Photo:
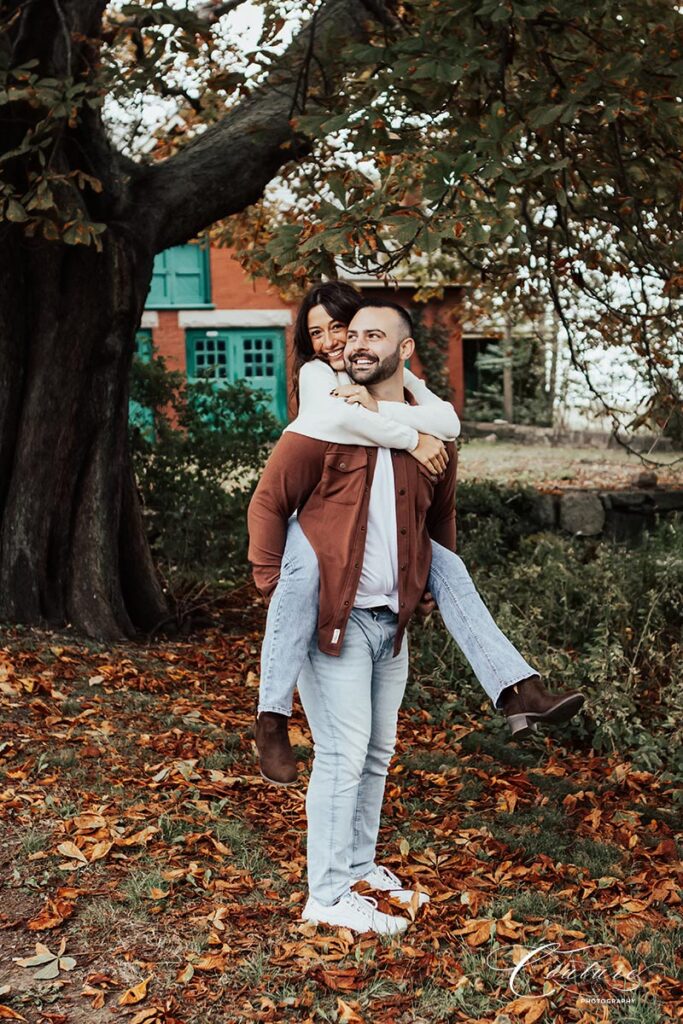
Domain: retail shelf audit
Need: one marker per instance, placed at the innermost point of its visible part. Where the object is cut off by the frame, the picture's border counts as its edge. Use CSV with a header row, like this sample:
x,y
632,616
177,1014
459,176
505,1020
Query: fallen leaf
x,y
6,1013
54,913
347,1014
135,994
69,849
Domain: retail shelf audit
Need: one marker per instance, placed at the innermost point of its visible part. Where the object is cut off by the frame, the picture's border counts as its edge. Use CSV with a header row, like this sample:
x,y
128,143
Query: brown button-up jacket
x,y
328,485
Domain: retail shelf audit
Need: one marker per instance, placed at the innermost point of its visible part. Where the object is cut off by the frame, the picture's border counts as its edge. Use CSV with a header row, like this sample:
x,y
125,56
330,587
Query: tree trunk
x,y
72,543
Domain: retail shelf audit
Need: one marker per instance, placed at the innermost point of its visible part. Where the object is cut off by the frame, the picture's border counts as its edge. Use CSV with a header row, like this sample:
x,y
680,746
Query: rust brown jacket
x,y
328,485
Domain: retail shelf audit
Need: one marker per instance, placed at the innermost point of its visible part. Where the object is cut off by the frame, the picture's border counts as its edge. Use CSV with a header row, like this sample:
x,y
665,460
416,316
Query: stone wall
x,y
619,515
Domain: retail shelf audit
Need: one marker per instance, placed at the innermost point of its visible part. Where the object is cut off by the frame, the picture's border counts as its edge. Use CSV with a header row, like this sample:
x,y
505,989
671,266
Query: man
x,y
369,514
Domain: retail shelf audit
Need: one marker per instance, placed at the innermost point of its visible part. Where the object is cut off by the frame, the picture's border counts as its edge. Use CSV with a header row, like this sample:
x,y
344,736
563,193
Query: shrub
x,y
592,615
198,453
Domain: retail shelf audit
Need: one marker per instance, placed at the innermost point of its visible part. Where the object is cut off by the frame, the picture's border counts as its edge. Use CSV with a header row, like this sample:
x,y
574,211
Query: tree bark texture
x,y
72,547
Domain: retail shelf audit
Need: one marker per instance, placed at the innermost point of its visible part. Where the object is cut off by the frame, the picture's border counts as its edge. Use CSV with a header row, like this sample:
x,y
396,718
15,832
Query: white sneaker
x,y
356,912
384,880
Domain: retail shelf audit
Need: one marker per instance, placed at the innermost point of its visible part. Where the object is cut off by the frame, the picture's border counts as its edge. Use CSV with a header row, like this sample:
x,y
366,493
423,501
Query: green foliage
x,y
532,402
492,520
197,467
588,614
431,343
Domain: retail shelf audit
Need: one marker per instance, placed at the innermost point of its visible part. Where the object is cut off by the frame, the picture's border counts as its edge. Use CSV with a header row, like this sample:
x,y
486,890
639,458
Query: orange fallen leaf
x,y
476,932
8,1014
347,1014
135,994
530,1008
54,913
100,850
150,1015
69,849
158,894
213,962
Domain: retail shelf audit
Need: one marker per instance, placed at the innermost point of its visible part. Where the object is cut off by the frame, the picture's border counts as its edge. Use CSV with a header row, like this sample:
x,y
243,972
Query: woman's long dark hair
x,y
341,300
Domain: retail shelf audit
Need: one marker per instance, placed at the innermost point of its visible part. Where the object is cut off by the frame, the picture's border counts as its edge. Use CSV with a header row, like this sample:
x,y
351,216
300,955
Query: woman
x,y
333,408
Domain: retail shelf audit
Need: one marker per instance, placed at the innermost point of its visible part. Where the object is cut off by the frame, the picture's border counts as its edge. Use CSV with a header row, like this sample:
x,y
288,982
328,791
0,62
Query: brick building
x,y
204,314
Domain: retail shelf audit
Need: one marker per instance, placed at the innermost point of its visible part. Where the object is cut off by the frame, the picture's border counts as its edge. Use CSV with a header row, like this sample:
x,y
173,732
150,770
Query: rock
x,y
490,439
582,513
669,501
646,479
628,499
545,513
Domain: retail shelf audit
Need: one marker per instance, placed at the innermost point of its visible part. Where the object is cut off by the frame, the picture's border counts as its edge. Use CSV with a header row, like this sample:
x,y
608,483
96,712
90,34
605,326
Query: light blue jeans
x,y
293,618
351,703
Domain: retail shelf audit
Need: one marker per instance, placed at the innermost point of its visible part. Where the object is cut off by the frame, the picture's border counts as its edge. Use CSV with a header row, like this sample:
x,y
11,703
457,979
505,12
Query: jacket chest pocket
x,y
343,478
424,488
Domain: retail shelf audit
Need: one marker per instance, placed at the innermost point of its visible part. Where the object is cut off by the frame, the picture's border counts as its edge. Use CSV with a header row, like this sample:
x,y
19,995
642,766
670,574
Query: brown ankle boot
x,y
276,757
527,703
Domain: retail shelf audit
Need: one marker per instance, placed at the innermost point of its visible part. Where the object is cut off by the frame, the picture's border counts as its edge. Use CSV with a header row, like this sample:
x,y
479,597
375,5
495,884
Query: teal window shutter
x,y
255,355
181,278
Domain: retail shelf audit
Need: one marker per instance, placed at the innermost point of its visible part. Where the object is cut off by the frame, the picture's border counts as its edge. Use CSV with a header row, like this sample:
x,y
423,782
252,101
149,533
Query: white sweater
x,y
395,425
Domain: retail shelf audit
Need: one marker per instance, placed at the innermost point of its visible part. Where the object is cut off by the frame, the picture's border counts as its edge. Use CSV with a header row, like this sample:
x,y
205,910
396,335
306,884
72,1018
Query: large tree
x,y
81,224
528,144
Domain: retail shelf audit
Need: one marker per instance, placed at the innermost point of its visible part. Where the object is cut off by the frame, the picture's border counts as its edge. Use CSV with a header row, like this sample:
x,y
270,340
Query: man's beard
x,y
382,370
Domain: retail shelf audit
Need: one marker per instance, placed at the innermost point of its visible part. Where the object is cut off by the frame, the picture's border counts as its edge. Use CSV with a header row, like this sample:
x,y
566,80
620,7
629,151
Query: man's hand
x,y
356,394
426,605
431,453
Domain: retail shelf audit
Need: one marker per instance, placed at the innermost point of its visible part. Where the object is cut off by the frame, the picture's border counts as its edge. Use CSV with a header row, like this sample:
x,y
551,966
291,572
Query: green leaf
x,y
546,115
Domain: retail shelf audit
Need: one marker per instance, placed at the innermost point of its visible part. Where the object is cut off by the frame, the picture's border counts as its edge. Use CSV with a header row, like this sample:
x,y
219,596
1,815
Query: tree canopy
x,y
527,148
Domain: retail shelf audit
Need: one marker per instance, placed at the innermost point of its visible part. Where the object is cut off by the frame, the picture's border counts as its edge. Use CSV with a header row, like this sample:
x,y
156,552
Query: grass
x,y
34,840
246,849
136,888
543,830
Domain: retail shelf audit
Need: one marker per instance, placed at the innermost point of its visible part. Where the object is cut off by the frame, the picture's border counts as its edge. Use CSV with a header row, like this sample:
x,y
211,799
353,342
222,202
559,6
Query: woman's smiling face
x,y
328,336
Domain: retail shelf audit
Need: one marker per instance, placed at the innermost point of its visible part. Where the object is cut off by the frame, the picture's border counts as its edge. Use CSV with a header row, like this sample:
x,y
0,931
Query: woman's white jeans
x,y
351,703
293,616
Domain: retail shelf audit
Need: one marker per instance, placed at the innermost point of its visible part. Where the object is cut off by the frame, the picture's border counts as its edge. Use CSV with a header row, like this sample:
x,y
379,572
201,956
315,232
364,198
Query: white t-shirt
x,y
378,582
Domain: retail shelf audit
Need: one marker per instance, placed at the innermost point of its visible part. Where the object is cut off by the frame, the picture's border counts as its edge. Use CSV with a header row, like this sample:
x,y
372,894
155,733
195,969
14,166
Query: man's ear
x,y
406,348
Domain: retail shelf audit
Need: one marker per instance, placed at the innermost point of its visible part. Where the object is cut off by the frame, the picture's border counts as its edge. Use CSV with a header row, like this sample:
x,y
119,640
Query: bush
x,y
198,451
587,614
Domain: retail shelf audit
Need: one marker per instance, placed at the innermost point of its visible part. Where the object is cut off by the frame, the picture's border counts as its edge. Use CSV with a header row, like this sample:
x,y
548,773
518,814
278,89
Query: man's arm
x,y
441,513
292,472
430,416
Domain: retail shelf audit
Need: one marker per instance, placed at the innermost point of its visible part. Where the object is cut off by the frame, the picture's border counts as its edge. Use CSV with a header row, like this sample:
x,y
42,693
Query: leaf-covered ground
x,y
565,467
163,880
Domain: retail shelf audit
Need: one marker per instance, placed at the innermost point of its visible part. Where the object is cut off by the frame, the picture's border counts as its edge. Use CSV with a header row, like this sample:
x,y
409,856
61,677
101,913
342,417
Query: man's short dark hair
x,y
403,314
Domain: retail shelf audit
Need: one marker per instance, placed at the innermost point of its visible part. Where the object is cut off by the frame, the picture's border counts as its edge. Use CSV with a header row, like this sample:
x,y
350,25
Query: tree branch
x,y
227,167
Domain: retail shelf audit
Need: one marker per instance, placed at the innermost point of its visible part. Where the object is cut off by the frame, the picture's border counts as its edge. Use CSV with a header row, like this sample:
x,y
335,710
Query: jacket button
x,y
362,529
355,565
403,604
403,530
342,465
402,491
403,568
346,603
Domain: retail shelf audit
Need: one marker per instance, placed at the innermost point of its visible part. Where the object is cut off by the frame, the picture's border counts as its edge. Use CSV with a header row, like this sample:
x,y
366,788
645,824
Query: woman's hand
x,y
356,394
431,453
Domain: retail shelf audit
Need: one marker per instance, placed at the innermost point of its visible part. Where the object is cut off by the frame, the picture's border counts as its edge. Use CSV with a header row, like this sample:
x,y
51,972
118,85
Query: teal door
x,y
255,355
